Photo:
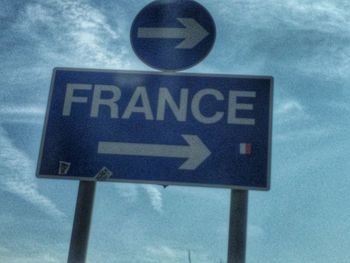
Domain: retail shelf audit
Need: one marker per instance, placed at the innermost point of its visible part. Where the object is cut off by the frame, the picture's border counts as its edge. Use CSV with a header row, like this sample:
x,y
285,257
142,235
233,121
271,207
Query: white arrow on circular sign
x,y
192,33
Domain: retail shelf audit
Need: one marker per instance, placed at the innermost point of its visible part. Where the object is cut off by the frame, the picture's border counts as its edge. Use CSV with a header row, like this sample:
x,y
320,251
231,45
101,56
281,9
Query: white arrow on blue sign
x,y
173,35
163,128
195,153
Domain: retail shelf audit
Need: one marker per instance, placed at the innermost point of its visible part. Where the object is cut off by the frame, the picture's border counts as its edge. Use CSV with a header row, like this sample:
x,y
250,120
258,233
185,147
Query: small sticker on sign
x,y
103,174
63,168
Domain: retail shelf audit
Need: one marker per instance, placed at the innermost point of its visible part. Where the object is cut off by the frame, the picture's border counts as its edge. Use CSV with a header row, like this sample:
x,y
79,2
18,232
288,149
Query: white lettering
x,y
97,101
70,98
234,106
165,97
110,96
196,106
140,93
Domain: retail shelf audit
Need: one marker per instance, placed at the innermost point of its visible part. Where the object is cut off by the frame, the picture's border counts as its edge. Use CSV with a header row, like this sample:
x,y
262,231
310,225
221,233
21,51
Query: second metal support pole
x,y
83,215
238,226
82,222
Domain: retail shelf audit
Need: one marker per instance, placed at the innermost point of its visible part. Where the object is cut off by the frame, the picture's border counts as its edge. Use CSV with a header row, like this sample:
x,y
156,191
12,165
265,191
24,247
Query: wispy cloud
x,y
45,257
21,110
288,111
307,134
308,37
289,107
155,252
293,123
12,113
18,176
75,33
324,16
45,34
255,231
155,196
164,253
130,192
315,15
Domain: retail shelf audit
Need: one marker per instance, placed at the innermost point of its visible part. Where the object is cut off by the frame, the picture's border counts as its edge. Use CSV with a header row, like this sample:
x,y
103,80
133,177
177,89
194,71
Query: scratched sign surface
x,y
162,128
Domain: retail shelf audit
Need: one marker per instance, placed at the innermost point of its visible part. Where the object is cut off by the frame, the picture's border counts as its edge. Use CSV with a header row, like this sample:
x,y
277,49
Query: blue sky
x,y
304,45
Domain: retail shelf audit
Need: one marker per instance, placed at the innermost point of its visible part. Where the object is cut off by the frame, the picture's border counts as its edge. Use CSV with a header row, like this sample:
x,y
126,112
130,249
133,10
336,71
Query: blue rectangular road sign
x,y
161,128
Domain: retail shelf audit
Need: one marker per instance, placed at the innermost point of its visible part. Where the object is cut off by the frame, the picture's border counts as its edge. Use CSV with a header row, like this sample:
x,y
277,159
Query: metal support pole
x,y
82,220
238,226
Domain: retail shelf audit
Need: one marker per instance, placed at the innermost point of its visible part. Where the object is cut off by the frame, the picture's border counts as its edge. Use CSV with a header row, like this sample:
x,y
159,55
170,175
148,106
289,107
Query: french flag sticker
x,y
245,148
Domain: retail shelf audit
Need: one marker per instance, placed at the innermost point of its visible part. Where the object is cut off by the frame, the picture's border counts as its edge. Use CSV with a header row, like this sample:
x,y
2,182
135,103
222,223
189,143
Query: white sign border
x,y
267,188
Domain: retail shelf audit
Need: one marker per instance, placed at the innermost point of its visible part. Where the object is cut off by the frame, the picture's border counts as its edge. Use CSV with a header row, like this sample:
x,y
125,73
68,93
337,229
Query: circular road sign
x,y
172,35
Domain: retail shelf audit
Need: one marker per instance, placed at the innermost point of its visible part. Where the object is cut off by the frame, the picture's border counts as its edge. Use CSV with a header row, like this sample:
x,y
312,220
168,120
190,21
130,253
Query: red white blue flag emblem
x,y
245,148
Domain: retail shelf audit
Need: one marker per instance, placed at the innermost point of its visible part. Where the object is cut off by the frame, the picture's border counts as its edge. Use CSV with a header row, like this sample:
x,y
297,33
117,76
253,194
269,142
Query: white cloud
x,y
289,107
11,113
324,16
289,111
72,34
130,193
303,134
310,37
18,177
45,257
86,33
154,253
21,110
38,13
164,253
155,196
293,123
255,231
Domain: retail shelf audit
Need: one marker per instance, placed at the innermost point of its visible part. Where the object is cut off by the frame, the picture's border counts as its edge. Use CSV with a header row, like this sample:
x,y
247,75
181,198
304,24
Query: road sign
x,y
162,128
172,35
